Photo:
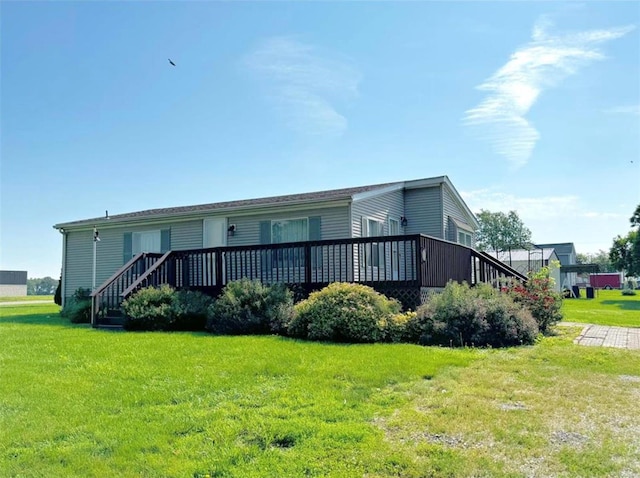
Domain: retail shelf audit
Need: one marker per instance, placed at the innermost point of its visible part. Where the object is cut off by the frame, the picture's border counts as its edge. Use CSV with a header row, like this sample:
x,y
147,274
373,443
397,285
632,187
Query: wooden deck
x,y
404,267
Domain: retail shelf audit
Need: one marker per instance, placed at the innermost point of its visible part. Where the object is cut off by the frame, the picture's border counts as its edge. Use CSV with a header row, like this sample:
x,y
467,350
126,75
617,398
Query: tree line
x,y
500,232
44,286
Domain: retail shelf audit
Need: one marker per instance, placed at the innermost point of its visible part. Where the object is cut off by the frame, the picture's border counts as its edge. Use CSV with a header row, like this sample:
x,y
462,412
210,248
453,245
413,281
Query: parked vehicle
x,y
606,280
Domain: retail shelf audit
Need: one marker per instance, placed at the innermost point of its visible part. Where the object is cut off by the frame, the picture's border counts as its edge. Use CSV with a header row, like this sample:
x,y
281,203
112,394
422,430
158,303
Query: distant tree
x,y
601,258
625,252
635,219
502,232
44,286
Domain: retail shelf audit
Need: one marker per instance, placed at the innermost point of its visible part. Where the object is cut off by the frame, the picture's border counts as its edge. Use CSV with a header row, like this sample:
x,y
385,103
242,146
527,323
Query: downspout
x,y
63,275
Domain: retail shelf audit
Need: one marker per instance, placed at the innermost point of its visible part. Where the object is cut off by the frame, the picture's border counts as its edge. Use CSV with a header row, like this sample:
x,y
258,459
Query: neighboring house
x,y
310,238
532,260
566,253
13,283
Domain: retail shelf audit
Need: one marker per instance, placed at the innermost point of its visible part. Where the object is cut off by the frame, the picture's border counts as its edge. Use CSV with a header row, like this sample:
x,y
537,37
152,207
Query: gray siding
x,y
423,209
184,235
453,209
79,261
380,207
334,224
79,256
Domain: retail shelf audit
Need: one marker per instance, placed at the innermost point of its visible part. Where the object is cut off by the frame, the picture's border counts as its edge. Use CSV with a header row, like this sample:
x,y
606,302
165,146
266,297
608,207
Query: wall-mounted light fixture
x,y
403,221
231,230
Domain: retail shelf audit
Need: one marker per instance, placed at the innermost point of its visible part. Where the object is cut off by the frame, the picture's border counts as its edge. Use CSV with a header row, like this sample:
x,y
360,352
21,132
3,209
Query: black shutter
x,y
314,228
165,240
265,232
127,250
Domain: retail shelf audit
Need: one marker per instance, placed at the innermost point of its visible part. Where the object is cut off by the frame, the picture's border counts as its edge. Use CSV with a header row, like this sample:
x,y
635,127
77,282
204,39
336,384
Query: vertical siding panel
x,y
423,209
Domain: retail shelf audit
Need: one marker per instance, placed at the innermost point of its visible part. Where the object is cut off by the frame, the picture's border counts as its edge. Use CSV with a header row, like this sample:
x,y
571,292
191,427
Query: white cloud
x,y
558,218
624,110
305,84
512,90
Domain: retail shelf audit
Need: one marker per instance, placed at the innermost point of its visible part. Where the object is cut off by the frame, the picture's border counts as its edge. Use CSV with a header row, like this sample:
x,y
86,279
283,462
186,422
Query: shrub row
x,y
458,316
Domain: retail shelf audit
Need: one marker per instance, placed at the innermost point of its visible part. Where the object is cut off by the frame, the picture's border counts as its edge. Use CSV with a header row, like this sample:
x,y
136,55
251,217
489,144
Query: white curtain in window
x,y
148,241
289,230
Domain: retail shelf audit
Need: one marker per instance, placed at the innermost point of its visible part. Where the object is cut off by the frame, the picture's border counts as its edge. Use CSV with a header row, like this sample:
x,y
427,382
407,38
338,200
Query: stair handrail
x,y
501,265
125,293
97,293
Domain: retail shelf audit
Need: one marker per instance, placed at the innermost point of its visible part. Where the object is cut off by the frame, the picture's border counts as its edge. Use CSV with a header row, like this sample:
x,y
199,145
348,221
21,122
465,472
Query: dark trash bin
x,y
576,291
590,294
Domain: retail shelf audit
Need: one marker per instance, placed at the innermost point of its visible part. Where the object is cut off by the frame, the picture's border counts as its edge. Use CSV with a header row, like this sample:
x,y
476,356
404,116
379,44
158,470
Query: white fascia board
x,y
377,192
105,223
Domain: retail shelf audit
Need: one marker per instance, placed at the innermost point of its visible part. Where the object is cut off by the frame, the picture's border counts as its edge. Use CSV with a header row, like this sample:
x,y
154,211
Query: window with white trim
x,y
146,241
465,238
374,252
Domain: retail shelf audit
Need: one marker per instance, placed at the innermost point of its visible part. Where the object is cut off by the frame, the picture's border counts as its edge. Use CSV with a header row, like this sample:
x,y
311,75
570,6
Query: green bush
x,y
471,316
344,313
164,308
150,308
249,307
191,310
538,296
628,292
78,307
394,328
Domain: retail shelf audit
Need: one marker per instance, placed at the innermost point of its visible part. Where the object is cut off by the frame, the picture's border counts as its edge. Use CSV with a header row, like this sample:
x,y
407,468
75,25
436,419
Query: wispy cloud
x,y
305,84
527,207
624,110
512,90
556,218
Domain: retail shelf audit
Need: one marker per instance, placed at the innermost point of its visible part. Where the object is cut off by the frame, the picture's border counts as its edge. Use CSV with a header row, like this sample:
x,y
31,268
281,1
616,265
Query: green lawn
x,y
75,401
24,298
609,307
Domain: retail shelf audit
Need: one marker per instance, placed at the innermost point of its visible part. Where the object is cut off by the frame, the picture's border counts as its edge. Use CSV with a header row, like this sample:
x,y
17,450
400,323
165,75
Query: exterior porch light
x,y
403,221
231,230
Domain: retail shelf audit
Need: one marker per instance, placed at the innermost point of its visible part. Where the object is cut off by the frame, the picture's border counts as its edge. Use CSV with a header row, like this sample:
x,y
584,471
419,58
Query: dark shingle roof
x,y
331,195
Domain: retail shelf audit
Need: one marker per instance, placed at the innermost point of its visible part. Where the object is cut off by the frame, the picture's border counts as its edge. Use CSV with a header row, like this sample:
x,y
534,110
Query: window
x,y
465,238
374,252
289,230
147,241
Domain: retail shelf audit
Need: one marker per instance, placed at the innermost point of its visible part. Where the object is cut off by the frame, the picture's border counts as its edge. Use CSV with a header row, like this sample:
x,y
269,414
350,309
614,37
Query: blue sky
x,y
527,106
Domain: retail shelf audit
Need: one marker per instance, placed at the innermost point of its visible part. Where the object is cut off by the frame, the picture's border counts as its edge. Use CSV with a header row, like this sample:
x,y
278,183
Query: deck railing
x,y
107,298
408,263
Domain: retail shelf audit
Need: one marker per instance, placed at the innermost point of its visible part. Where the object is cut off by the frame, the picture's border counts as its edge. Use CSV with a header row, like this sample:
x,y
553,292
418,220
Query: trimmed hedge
x,y
343,312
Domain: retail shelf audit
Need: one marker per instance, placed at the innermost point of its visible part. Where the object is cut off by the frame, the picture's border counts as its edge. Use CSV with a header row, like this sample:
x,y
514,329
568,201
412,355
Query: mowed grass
x,y
75,401
27,298
609,307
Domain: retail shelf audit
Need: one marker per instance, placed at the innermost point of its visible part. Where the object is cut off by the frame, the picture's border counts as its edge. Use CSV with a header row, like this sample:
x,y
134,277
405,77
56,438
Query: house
x,y
532,260
13,283
567,256
401,237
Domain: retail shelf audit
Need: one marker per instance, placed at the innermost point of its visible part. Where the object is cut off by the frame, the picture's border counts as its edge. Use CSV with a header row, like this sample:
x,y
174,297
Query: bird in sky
x,y
172,63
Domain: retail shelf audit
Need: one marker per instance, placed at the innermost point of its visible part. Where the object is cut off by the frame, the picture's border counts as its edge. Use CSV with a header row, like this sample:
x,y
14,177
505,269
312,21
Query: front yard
x,y
75,401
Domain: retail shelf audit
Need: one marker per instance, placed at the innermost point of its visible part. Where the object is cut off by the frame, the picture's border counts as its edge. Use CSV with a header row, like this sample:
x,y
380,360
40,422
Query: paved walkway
x,y
607,336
